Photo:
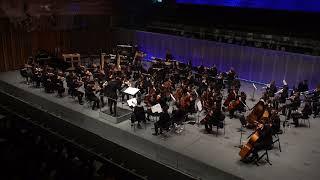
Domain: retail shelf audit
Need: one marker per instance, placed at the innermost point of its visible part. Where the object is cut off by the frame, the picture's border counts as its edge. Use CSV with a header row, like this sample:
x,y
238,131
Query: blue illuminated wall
x,y
288,5
254,64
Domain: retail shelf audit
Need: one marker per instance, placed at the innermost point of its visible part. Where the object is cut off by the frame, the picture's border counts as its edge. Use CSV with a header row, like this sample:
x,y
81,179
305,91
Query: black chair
x,y
277,139
265,153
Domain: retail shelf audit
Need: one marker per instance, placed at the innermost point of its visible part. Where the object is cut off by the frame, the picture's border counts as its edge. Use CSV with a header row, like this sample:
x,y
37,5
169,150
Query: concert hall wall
x,y
17,46
254,64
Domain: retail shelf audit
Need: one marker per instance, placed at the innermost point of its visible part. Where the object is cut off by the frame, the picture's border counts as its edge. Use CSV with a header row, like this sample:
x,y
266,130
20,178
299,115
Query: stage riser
x,y
91,141
126,139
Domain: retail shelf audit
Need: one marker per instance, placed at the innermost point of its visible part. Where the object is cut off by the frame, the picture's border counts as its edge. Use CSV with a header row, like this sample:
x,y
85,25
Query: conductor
x,y
111,92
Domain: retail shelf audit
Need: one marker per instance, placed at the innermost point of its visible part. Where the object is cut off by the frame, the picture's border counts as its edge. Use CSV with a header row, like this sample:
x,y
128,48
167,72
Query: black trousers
x,y
112,105
160,125
102,100
80,96
96,102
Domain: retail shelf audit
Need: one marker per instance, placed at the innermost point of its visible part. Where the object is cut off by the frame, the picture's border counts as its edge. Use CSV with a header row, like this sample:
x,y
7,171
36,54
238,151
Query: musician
x,y
214,117
306,111
303,86
111,91
275,119
213,71
238,105
69,80
294,105
169,56
59,85
163,122
38,76
316,102
48,83
231,76
91,95
138,114
272,89
232,98
265,140
78,89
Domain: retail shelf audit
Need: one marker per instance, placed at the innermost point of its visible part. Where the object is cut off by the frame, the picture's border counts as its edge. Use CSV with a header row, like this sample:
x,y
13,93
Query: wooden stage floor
x,y
194,152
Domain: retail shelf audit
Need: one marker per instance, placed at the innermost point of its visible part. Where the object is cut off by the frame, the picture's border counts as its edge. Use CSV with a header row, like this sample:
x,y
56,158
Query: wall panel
x,y
253,64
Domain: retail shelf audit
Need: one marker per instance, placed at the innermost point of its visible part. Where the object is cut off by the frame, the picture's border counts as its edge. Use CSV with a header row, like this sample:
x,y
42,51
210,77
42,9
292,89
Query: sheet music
x,y
284,82
156,108
254,86
132,102
131,91
173,98
199,106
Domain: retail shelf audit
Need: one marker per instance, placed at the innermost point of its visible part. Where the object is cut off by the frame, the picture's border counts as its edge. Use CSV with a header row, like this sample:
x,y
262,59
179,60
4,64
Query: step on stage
x,y
204,156
122,115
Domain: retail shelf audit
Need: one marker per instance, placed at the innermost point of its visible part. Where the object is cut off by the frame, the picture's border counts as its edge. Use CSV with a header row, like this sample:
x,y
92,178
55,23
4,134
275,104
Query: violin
x,y
231,96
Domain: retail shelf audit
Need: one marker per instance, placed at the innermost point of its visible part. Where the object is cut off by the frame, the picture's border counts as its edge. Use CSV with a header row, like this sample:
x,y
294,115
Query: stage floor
x,y
194,152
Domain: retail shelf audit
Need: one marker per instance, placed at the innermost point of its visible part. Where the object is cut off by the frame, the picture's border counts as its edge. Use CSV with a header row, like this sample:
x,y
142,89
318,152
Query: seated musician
x,y
305,113
265,141
59,86
163,122
91,95
232,102
77,89
214,117
272,89
178,115
294,105
125,84
316,102
231,76
138,114
169,56
275,119
303,86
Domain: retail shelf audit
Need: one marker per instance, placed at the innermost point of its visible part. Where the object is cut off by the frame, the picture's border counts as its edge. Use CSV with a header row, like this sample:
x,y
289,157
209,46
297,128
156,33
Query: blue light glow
x,y
288,5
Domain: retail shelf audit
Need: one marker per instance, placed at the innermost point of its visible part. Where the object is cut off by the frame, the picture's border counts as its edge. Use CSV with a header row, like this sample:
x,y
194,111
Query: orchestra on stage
x,y
172,91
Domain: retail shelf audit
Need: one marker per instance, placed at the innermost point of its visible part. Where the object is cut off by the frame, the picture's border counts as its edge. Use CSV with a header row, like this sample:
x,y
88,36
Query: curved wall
x,y
253,64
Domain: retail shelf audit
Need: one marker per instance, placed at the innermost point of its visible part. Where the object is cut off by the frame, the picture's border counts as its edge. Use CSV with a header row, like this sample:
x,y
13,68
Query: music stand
x,y
131,91
156,109
132,102
199,109
241,130
254,91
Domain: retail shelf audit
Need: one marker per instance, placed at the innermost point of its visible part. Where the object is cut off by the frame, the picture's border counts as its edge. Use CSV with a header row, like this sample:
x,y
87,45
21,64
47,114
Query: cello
x,y
255,115
247,149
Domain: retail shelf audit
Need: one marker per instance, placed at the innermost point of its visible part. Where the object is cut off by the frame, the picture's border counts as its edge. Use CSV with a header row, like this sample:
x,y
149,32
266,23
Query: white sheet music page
x,y
156,108
199,106
132,91
132,102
